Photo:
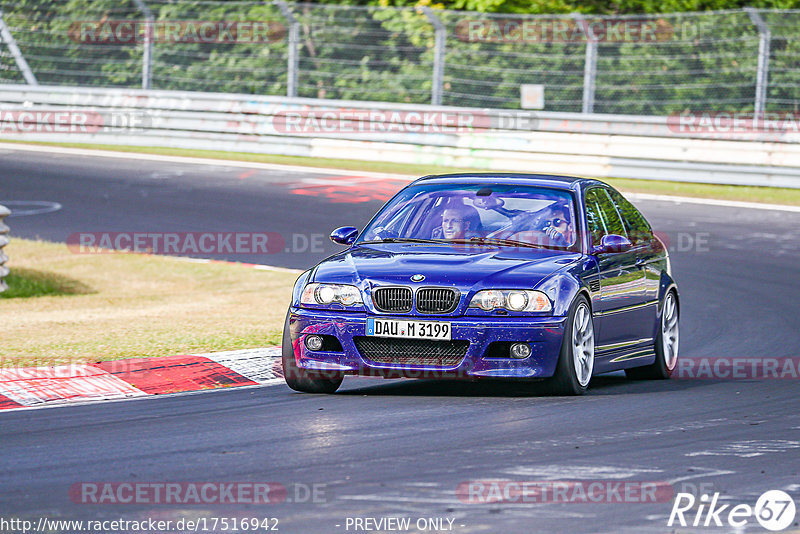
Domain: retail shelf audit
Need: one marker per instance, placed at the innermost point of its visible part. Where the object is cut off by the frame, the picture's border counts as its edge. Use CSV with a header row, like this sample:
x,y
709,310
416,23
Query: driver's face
x,y
453,225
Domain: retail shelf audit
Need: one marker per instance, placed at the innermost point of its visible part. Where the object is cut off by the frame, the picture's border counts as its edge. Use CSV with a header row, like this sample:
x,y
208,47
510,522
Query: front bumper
x,y
543,334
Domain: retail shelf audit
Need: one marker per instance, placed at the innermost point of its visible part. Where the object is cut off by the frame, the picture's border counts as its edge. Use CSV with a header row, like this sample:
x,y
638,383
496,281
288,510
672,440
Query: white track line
x,y
322,170
257,266
714,202
199,161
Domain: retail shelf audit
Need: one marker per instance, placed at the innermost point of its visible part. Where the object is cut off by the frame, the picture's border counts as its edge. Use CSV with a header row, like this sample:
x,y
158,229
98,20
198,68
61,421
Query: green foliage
x,y
704,61
597,7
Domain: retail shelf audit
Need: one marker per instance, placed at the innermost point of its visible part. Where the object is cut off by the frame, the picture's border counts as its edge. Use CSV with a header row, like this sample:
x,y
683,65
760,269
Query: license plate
x,y
408,329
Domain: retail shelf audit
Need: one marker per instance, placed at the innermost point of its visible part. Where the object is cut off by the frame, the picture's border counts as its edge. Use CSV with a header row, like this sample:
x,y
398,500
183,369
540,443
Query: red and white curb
x,y
138,377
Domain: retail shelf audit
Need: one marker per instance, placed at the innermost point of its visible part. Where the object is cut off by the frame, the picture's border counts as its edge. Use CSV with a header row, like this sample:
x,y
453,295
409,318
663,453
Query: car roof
x,y
546,180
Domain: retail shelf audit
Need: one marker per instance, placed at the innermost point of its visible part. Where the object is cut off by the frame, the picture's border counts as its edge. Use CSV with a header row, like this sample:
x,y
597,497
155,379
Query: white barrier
x,y
4,212
597,145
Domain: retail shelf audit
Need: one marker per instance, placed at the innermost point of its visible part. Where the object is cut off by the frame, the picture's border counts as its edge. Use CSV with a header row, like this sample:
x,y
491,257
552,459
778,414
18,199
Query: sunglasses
x,y
554,222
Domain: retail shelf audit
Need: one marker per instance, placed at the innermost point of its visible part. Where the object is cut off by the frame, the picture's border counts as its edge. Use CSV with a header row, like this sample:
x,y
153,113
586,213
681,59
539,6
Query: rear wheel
x,y
303,380
666,345
576,361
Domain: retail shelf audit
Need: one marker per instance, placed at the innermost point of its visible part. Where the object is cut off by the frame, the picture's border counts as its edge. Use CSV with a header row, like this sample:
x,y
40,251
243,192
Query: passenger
x,y
557,226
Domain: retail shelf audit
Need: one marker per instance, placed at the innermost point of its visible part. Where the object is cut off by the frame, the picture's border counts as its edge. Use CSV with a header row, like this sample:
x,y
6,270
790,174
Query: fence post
x,y
294,41
440,42
762,73
22,65
147,56
589,65
4,212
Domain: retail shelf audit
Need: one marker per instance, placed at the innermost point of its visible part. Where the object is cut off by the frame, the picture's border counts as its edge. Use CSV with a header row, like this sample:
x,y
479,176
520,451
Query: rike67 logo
x,y
774,510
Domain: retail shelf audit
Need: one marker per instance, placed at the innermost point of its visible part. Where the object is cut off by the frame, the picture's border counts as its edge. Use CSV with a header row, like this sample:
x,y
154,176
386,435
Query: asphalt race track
x,y
383,448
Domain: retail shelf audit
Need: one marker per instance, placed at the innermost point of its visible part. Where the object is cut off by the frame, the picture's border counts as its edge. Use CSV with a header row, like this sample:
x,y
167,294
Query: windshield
x,y
510,215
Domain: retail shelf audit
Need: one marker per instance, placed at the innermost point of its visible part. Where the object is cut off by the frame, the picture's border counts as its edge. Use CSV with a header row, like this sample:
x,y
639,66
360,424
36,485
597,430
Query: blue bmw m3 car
x,y
521,277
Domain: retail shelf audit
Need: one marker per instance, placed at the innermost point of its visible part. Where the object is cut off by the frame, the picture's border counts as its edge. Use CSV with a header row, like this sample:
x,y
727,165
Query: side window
x,y
594,217
602,216
639,230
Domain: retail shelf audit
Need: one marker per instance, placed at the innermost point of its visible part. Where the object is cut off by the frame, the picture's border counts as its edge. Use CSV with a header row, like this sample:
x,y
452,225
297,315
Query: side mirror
x,y
345,235
612,243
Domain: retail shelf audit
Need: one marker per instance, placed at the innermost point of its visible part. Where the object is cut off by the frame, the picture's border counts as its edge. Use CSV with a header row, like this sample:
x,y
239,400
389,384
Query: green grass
x,y
29,283
770,195
63,307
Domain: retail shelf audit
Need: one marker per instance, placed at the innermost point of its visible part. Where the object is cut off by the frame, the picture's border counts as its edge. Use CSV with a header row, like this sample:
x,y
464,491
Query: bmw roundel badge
x,y
418,278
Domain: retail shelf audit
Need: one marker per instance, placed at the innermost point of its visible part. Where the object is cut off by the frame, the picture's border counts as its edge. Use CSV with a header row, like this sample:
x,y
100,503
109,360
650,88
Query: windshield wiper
x,y
406,240
496,241
472,240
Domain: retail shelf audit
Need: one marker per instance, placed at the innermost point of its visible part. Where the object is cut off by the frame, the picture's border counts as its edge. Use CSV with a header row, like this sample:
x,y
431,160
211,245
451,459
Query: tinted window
x,y
638,228
602,216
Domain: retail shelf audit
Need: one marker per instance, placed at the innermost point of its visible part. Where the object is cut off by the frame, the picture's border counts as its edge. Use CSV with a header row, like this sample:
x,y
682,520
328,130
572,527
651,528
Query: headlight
x,y
330,293
516,300
488,299
511,299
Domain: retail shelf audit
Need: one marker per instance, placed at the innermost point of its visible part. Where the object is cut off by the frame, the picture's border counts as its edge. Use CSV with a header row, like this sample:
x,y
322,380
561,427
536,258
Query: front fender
x,y
299,285
564,286
562,289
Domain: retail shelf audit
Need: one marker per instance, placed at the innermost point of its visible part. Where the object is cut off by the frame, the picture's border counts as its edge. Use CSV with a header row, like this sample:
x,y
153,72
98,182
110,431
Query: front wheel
x,y
666,346
303,380
576,361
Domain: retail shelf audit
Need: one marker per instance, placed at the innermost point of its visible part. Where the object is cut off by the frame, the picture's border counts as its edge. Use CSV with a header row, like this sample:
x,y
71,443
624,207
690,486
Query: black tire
x,y
565,380
659,369
300,379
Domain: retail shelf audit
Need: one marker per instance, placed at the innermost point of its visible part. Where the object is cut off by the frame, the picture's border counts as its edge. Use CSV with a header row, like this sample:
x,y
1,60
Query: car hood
x,y
464,267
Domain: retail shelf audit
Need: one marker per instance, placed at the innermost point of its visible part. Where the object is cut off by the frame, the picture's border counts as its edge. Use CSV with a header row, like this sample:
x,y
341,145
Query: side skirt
x,y
616,359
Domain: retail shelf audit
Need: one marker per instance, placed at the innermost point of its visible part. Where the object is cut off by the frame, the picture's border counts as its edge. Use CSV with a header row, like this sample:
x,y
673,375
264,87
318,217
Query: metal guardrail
x,y
260,109
4,212
572,143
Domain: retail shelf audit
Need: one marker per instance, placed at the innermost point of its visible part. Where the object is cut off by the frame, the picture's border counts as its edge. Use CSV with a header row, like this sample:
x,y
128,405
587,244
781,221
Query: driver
x,y
456,223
